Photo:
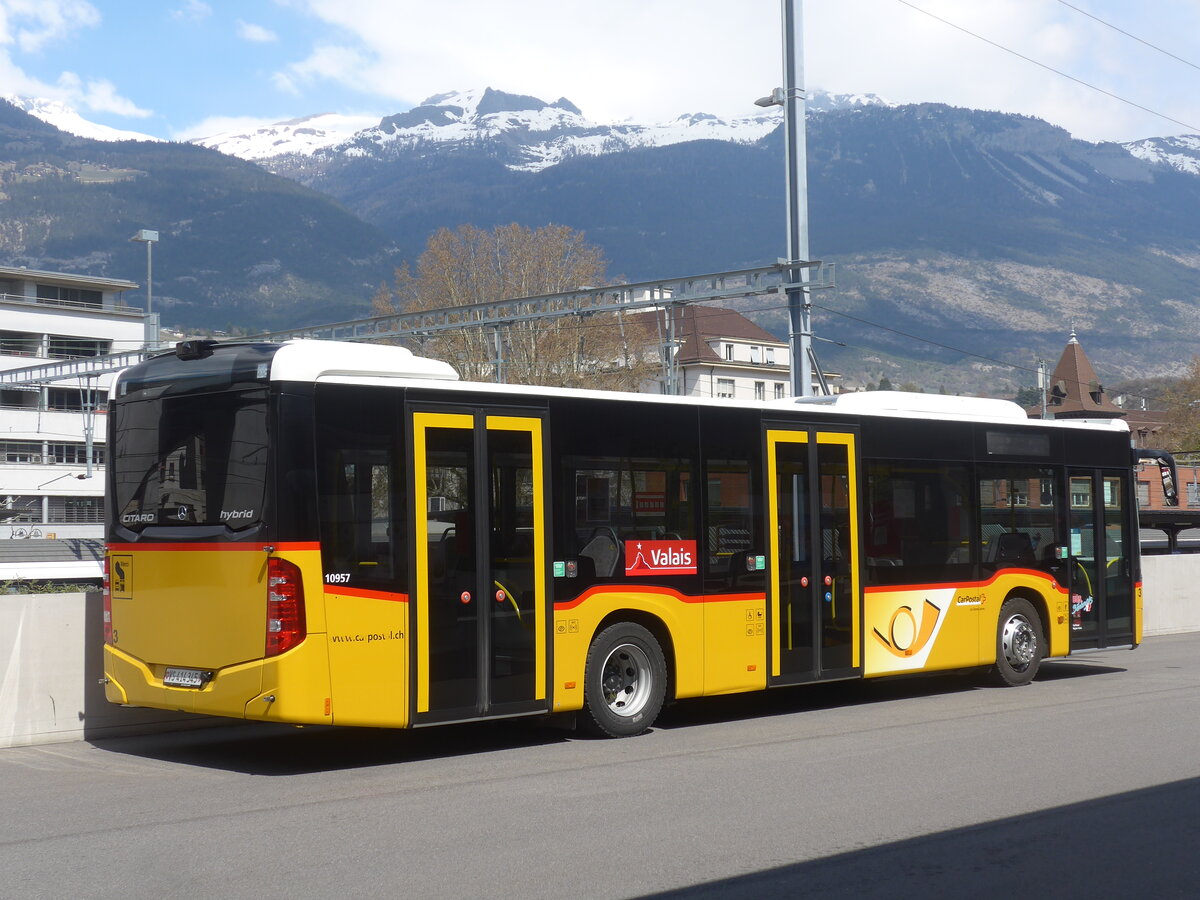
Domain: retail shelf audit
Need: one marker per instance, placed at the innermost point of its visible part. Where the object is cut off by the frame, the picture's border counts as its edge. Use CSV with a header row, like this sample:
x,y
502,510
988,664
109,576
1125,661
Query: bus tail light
x,y
286,625
107,594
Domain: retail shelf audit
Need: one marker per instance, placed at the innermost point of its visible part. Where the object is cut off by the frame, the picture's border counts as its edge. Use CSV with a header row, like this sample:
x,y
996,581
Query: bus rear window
x,y
191,460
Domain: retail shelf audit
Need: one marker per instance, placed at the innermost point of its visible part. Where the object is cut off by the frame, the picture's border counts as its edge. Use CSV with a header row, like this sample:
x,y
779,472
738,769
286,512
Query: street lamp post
x,y
791,97
148,237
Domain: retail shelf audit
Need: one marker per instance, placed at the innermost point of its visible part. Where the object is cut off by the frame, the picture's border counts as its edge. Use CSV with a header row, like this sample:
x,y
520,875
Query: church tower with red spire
x,y
1075,391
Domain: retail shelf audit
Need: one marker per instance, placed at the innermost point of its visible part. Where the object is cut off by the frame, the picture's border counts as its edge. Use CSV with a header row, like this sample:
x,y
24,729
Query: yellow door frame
x,y
421,423
800,435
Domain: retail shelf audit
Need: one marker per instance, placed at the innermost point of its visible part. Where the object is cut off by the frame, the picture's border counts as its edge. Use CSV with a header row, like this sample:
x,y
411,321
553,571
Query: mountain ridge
x,y
239,246
65,118
535,134
985,231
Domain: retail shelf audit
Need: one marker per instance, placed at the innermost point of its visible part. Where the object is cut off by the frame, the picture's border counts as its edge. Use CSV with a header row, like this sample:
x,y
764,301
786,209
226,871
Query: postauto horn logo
x,y
906,636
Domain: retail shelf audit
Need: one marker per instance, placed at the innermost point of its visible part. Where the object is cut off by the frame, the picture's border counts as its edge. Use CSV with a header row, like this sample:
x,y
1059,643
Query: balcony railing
x,y
45,459
118,309
101,410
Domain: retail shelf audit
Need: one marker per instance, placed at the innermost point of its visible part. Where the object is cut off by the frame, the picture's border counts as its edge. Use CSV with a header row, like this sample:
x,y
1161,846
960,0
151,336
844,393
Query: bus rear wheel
x,y
1019,643
625,681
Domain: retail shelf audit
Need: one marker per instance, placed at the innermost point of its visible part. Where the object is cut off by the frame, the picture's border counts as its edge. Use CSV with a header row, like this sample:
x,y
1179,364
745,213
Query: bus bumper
x,y
293,687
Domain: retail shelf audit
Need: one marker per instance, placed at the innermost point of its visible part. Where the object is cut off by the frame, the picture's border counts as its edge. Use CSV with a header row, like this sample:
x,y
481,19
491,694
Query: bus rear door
x,y
479,532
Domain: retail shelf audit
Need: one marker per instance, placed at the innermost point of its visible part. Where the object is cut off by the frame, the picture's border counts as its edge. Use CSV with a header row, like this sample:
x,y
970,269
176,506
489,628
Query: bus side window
x,y
1019,520
618,500
730,528
627,473
356,514
919,523
356,492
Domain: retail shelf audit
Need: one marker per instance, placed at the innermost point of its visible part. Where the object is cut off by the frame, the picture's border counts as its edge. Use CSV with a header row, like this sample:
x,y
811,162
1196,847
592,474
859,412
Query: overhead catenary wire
x,y
1049,68
597,322
939,344
1084,12
932,343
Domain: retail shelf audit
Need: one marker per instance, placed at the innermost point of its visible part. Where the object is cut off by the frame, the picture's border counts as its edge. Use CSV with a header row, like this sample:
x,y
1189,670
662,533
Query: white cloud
x,y
256,34
191,11
615,59
222,125
633,58
98,95
284,84
27,26
340,64
909,57
31,24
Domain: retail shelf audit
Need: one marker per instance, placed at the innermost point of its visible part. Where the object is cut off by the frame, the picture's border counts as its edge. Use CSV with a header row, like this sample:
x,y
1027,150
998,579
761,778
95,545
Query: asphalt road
x,y
1085,783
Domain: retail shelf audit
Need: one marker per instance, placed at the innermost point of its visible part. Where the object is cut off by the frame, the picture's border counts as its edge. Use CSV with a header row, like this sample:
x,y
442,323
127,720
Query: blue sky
x,y
186,68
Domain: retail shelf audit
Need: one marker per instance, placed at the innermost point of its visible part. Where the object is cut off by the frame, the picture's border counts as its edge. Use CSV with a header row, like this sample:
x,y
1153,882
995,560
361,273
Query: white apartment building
x,y
49,488
721,353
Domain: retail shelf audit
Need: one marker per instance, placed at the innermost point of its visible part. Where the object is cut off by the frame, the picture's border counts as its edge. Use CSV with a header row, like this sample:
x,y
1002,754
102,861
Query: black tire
x,y
1020,643
624,682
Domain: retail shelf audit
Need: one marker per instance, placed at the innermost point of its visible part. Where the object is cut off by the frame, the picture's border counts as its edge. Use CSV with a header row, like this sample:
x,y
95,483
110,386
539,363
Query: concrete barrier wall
x,y
1171,594
50,670
50,659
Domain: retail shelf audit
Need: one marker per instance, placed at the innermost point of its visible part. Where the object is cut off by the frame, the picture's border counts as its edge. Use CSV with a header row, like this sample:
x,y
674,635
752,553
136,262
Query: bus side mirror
x,y
1166,470
1170,493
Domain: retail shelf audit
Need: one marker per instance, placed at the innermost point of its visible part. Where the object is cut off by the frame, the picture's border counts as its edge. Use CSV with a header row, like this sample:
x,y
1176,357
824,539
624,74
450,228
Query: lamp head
x,y
775,98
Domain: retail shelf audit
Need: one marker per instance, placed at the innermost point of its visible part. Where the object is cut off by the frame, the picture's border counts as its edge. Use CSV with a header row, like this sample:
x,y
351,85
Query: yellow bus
x,y
345,534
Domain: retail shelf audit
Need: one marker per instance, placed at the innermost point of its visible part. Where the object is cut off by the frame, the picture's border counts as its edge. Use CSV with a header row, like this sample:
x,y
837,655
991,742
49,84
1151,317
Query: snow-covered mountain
x,y
303,136
1182,152
819,101
529,134
62,117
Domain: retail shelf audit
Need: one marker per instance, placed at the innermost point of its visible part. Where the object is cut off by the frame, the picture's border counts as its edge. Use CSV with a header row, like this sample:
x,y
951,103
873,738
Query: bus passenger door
x,y
479,599
1100,570
815,603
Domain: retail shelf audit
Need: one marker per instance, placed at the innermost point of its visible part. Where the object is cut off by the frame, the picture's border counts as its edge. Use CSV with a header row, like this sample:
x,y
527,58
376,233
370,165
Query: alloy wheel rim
x,y
1018,641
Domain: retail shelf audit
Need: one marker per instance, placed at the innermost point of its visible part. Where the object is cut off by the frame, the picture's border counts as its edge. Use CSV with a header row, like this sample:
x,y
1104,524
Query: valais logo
x,y
660,558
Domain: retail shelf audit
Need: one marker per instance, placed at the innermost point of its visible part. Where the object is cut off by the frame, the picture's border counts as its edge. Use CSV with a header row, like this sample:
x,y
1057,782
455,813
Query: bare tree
x,y
470,265
1182,411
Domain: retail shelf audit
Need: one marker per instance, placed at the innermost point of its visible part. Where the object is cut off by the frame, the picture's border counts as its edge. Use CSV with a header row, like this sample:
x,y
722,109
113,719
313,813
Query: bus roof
x,y
942,406
310,360
343,361
891,402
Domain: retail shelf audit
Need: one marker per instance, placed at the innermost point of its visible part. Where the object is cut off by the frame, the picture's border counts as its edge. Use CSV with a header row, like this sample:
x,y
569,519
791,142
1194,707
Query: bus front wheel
x,y
1019,643
625,681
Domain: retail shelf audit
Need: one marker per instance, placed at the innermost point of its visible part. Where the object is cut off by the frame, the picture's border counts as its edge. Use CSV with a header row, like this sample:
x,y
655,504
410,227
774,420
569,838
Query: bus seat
x,y
604,553
1014,547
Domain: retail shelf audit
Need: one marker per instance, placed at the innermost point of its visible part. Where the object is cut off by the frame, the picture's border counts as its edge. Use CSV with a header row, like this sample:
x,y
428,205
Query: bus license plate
x,y
188,678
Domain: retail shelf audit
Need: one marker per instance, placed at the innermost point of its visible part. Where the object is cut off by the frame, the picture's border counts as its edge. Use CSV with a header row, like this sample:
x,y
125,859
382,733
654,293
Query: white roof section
x,y
942,405
936,406
309,360
361,363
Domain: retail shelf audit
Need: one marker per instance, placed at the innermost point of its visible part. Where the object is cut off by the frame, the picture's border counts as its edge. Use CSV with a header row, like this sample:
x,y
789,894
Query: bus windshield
x,y
198,459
